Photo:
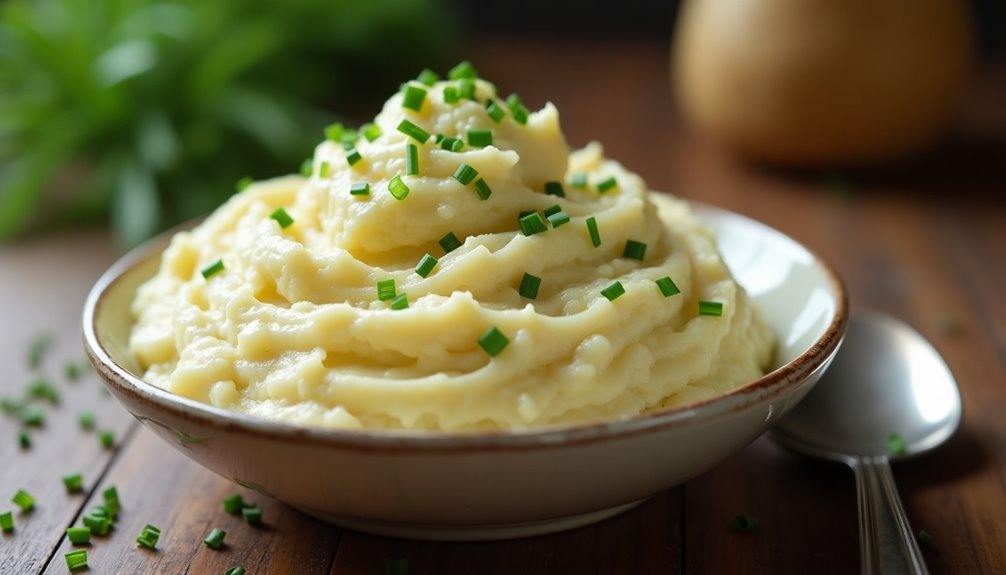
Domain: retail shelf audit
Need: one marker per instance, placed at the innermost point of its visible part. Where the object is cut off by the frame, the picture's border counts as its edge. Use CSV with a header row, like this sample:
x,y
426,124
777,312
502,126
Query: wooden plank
x,y
643,540
44,283
160,486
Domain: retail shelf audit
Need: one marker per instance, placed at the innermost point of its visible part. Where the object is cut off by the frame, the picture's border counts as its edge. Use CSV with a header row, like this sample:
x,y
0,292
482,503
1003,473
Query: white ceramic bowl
x,y
491,485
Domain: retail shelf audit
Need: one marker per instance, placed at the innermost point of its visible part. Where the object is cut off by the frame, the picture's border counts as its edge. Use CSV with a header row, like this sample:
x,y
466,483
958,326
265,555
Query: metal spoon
x,y
886,385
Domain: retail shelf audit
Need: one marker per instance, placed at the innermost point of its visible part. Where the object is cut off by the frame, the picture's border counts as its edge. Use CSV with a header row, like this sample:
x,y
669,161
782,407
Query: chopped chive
x,y
11,406
532,224
212,269
495,111
452,144
42,389
559,218
466,89
107,439
252,514
359,189
353,156
667,286
529,285
428,77
6,521
24,439
463,70
324,170
97,524
480,137
554,209
78,535
386,289
333,132
32,416
414,97
555,189
148,536
745,523
349,139
235,571
371,131
608,184
215,539
451,95
23,500
438,138
712,308
449,242
925,538
411,159
282,218
483,189
243,183
76,560
233,503
493,341
306,167
578,180
465,174
73,483
517,109
634,250
396,567
398,188
401,301
72,371
426,265
896,444
37,349
595,235
111,497
86,420
413,131
613,291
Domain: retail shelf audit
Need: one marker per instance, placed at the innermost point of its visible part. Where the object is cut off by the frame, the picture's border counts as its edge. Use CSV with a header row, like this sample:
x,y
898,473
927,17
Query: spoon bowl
x,y
887,396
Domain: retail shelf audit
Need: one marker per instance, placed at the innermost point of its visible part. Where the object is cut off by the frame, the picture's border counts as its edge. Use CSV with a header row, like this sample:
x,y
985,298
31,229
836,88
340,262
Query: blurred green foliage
x,y
147,112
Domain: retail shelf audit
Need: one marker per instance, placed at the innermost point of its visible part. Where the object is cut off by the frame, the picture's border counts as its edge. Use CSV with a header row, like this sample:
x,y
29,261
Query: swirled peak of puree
x,y
291,325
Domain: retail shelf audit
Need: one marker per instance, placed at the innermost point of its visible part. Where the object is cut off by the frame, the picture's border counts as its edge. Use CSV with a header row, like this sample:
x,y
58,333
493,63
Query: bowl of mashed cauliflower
x,y
450,319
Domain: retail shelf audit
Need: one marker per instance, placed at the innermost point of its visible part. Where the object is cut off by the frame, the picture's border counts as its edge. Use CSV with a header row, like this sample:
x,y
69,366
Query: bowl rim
x,y
772,384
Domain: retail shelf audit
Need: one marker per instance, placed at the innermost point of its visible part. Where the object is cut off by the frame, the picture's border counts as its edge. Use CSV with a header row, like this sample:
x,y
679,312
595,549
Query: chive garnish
x,y
745,523
451,95
449,242
32,416
107,439
555,189
483,189
215,539
614,291
413,131
370,131
252,514
480,137
243,183
896,444
495,111
529,285
517,109
463,70
426,265
428,77
578,180
98,525
86,420
72,371
452,144
554,209
532,224
398,188
401,301
6,521
634,250
282,218
465,174
24,439
595,235
23,500
493,341
233,503
76,560
324,170
413,97
608,184
353,157
667,286
42,389
333,132
386,289
711,308
74,483
212,269
558,218
148,536
359,189
466,89
235,571
78,535
37,349
306,167
411,159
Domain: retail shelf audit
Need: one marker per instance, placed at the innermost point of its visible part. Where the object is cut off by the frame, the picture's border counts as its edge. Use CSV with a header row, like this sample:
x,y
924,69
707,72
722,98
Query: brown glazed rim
x,y
772,385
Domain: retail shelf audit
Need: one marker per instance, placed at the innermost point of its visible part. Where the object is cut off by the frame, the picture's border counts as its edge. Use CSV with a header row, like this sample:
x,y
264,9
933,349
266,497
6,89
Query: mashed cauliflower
x,y
290,325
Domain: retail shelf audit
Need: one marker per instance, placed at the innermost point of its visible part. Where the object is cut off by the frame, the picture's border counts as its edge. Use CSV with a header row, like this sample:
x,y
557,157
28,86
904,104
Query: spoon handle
x,y
886,541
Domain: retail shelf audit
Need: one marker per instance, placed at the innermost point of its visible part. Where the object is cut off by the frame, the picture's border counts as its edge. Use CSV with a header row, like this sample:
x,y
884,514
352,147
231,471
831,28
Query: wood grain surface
x,y
924,241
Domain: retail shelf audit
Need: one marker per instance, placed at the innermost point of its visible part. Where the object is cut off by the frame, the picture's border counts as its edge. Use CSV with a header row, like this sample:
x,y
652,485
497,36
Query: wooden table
x,y
925,242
